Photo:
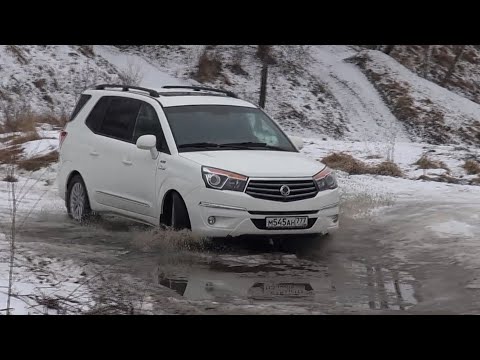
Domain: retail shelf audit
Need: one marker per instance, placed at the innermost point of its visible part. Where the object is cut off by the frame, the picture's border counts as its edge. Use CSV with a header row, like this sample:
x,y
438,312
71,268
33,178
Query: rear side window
x,y
95,118
149,124
80,104
120,118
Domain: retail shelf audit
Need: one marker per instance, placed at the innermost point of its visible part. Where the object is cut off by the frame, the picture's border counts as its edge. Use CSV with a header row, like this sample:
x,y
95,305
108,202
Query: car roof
x,y
186,100
173,98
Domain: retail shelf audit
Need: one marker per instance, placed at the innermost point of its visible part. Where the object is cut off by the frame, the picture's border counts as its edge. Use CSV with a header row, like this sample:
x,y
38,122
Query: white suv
x,y
191,157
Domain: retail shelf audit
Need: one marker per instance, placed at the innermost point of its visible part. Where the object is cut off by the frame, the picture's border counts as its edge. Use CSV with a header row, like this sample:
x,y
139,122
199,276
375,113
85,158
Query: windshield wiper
x,y
207,145
250,144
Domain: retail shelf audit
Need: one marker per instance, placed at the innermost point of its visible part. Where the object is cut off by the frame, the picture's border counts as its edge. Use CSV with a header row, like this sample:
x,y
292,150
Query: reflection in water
x,y
267,291
178,285
386,291
353,285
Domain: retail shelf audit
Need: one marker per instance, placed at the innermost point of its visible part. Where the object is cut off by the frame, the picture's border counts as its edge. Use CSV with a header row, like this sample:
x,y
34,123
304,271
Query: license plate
x,y
287,222
265,290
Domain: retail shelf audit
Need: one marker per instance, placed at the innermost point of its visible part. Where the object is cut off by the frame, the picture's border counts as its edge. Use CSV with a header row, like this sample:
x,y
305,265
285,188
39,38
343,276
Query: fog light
x,y
211,220
334,218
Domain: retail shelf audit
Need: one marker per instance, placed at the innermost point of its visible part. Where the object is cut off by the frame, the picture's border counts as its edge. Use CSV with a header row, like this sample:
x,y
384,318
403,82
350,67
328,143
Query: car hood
x,y
258,163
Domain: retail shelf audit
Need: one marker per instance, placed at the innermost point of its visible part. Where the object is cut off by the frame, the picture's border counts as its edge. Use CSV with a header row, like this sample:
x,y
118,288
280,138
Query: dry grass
x,y
475,181
472,167
22,139
10,155
166,240
131,75
426,163
27,121
56,120
38,162
209,68
386,168
20,122
347,163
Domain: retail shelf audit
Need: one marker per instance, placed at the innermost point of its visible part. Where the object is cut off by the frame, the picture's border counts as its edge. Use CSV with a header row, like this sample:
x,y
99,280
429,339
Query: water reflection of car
x,y
265,291
212,286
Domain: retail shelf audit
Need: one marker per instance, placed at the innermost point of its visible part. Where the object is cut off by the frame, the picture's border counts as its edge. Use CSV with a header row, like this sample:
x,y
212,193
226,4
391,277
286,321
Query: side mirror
x,y
148,142
297,141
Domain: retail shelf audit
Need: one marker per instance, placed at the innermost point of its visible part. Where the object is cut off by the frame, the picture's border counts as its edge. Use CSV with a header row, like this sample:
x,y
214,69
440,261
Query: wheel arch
x,y
165,208
72,174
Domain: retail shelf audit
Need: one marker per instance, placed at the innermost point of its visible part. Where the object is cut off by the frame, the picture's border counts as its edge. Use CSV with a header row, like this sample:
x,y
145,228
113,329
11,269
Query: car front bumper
x,y
238,214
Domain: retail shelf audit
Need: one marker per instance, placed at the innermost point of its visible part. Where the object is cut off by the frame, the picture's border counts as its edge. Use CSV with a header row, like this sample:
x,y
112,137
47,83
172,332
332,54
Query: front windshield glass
x,y
221,127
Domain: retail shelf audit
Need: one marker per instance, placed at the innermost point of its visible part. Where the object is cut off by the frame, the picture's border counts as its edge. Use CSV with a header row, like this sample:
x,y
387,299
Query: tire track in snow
x,y
367,116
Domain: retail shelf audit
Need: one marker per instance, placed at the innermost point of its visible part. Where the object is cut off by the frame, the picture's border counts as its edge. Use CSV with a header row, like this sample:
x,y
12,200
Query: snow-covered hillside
x,y
433,62
312,90
295,96
48,78
428,110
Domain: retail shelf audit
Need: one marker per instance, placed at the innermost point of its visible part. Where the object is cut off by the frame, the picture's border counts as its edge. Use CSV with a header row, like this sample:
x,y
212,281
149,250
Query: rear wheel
x,y
78,206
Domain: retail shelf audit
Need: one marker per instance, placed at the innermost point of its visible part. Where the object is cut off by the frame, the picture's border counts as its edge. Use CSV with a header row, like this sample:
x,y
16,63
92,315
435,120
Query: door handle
x,y
94,153
127,162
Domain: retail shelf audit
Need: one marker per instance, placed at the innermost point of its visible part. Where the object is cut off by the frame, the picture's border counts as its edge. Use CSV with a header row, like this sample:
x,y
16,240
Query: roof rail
x,y
201,88
151,92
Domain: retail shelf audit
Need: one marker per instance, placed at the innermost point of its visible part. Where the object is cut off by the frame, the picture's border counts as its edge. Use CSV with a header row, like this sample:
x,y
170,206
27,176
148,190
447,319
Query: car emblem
x,y
285,190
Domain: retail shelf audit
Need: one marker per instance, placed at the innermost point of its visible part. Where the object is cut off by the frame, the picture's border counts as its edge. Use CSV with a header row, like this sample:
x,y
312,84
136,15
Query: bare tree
x,y
87,78
12,238
458,56
264,53
426,61
131,75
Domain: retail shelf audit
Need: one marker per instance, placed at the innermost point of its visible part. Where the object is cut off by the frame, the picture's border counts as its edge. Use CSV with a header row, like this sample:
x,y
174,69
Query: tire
x,y
78,205
179,219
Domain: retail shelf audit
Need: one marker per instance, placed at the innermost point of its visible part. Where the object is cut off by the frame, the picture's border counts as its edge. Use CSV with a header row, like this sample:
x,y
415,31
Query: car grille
x,y
270,189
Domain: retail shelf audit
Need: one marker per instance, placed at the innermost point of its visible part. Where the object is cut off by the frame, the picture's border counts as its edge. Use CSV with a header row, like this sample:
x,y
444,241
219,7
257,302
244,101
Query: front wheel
x,y
78,206
176,214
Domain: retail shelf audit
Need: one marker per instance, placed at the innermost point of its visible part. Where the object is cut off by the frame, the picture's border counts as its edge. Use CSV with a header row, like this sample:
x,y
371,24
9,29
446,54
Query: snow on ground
x,y
404,154
41,285
36,280
39,147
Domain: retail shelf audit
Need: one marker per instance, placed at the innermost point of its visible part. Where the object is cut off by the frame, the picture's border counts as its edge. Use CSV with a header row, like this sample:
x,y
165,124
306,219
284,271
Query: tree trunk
x,y
426,61
389,49
263,86
452,67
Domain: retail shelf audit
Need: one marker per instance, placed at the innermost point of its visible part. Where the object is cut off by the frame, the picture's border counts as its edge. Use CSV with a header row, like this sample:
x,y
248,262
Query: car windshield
x,y
222,127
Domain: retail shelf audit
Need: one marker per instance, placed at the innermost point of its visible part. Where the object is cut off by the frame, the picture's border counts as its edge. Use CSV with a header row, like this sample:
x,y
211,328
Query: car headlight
x,y
223,180
326,179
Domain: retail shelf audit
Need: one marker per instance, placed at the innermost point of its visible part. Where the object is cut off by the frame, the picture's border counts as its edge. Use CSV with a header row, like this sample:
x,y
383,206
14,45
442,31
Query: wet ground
x,y
369,266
